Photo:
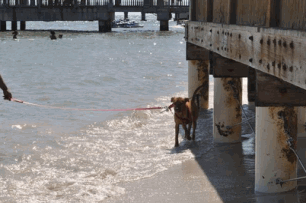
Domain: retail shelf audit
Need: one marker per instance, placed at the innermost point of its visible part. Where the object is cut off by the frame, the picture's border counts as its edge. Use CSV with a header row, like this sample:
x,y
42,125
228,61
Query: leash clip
x,y
167,109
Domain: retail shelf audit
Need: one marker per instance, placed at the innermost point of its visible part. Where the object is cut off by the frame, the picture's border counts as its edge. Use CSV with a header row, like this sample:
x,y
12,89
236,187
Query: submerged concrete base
x,y
14,25
105,26
164,25
143,16
3,25
273,158
22,25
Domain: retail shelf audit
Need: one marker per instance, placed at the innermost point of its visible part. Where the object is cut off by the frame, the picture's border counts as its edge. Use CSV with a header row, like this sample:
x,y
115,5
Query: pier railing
x,y
73,3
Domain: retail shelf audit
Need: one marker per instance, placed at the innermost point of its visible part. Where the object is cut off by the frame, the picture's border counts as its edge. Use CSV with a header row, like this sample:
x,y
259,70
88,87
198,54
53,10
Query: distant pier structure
x,y
87,10
265,41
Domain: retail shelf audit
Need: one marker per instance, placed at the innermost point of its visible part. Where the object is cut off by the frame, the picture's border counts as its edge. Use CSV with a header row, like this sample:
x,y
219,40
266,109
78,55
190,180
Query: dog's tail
x,y
195,93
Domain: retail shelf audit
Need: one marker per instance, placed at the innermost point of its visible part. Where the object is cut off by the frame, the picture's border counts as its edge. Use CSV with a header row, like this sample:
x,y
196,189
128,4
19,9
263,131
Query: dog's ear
x,y
186,99
172,99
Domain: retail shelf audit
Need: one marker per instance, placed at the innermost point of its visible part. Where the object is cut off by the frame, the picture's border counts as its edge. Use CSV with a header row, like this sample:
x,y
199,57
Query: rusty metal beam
x,y
274,51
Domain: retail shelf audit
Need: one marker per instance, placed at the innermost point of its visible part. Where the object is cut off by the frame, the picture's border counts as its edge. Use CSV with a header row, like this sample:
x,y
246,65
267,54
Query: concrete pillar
x,y
198,75
143,16
22,25
164,25
105,25
14,25
126,15
227,111
301,122
273,157
3,25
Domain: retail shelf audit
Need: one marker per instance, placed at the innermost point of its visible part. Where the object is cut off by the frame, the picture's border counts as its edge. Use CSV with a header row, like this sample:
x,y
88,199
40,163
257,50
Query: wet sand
x,y
225,173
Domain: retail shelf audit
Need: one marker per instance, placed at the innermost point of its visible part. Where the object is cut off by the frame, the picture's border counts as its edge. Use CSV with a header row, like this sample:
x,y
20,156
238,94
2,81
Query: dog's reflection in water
x,y
15,33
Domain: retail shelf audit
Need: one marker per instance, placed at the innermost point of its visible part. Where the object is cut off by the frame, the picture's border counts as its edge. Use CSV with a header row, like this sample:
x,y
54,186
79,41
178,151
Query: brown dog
x,y
186,112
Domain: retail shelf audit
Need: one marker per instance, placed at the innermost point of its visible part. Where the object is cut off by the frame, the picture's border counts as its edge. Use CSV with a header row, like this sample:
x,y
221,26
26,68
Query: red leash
x,y
75,109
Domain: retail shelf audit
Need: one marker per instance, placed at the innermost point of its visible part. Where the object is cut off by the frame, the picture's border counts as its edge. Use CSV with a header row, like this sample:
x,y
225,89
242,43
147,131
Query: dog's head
x,y
179,104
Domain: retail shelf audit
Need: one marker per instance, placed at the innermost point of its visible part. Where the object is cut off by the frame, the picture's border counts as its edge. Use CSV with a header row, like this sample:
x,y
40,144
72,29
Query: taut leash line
x,y
77,109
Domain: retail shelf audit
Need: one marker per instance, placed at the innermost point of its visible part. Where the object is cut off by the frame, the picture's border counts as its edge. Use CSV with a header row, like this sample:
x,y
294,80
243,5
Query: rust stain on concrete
x,y
203,77
288,125
286,122
233,91
223,132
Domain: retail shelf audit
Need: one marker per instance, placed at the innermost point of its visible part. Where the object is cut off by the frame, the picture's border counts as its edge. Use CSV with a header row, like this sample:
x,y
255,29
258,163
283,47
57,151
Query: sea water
x,y
58,155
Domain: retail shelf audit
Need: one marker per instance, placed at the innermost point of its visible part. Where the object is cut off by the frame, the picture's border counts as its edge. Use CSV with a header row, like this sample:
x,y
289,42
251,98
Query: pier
x,y
264,41
102,11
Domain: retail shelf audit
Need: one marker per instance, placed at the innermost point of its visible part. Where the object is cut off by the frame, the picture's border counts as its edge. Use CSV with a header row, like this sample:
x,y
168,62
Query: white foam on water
x,y
87,166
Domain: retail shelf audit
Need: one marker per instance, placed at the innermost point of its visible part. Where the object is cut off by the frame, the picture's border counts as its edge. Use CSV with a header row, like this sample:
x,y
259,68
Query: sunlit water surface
x,y
55,155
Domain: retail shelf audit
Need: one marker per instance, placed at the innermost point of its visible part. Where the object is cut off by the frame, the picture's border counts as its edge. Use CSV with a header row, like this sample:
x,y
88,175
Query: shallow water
x,y
59,155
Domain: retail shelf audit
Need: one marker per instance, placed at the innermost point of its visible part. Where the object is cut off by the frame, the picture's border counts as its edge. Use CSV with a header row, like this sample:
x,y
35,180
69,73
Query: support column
x,y
126,15
143,16
197,76
227,111
22,25
105,25
164,25
3,25
273,157
14,25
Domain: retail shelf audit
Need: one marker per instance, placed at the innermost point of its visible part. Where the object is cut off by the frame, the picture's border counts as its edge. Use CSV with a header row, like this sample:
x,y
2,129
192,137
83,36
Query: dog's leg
x,y
176,135
194,125
187,131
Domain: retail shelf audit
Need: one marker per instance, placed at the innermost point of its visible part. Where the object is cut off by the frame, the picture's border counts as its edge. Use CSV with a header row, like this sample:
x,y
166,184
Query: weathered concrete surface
x,y
301,122
197,76
225,173
274,158
227,111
